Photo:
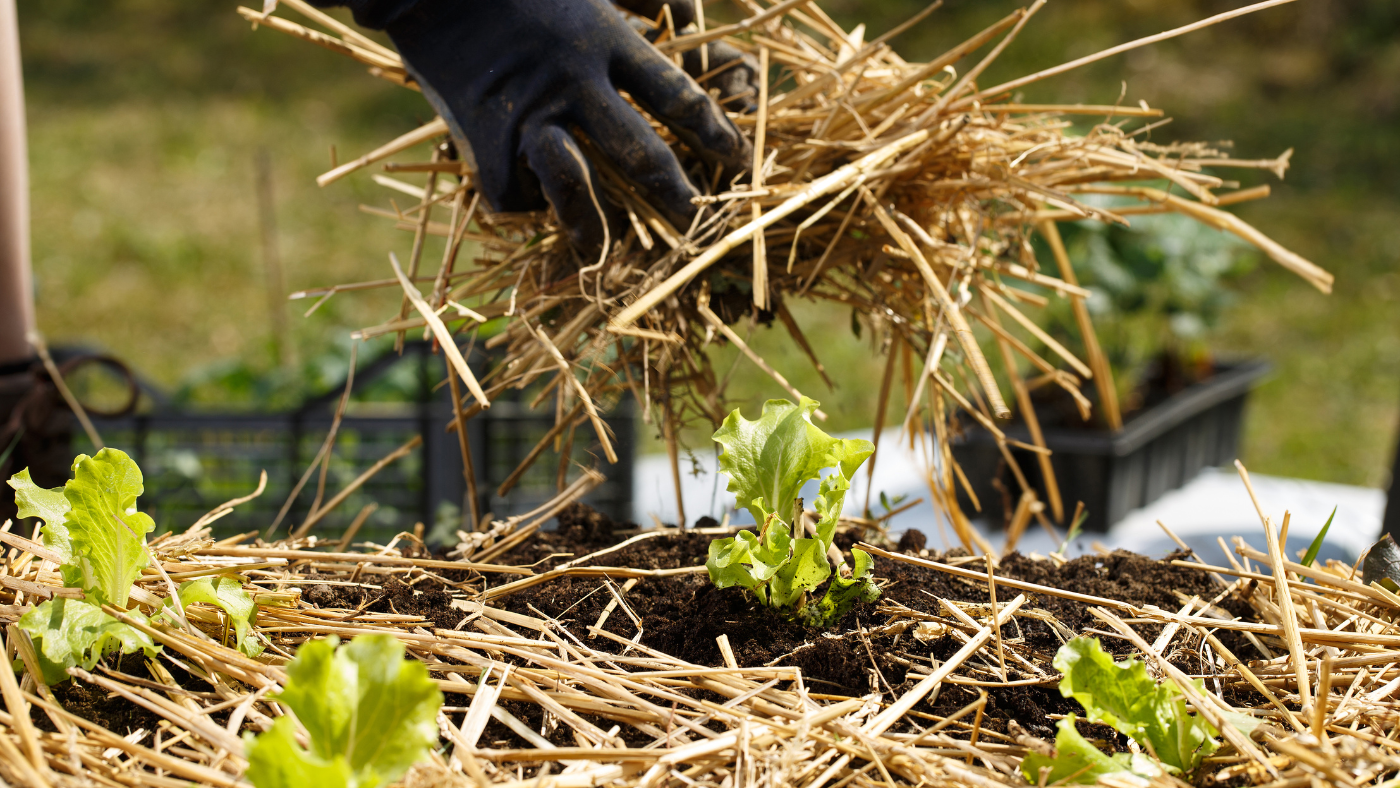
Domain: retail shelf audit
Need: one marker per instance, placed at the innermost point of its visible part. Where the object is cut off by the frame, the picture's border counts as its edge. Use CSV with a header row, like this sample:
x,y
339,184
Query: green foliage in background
x,y
1160,287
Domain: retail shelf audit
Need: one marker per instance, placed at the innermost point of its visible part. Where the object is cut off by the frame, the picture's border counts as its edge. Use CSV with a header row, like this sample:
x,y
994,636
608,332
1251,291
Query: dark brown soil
x,y
429,600
115,713
683,615
583,525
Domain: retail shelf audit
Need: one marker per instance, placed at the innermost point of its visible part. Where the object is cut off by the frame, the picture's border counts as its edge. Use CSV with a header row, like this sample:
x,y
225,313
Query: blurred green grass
x,y
146,117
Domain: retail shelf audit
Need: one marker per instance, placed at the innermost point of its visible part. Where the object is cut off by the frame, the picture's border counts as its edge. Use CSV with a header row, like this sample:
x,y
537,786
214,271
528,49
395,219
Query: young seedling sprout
x,y
768,462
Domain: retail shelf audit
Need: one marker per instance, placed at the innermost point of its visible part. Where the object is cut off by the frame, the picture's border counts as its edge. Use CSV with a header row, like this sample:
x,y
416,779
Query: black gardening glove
x,y
737,84
515,78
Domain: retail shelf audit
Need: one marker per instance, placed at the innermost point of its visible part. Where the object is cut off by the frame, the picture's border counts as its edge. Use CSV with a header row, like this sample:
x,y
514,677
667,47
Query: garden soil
x,y
683,615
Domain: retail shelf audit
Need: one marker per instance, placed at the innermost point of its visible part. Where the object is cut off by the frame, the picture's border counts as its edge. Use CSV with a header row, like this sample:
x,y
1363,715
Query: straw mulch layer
x,y
614,662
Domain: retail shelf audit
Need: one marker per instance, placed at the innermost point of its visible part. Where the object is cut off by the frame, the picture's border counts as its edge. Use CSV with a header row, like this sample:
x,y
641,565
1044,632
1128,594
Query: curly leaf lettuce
x,y
73,632
275,760
107,534
768,462
843,593
92,525
805,570
50,506
750,560
1122,696
368,714
1076,761
228,595
831,499
771,458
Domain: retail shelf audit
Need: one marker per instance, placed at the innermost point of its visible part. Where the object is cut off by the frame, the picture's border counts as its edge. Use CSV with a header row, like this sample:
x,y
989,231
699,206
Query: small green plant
x,y
1080,515
93,526
1159,287
768,462
228,595
1311,554
368,715
1122,696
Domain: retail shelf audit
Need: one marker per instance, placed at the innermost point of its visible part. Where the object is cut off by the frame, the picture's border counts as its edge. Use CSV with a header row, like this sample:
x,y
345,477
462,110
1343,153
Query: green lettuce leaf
x,y
1123,696
275,760
806,570
368,713
73,632
771,548
52,507
772,458
843,593
831,499
730,563
1077,762
750,561
107,534
228,595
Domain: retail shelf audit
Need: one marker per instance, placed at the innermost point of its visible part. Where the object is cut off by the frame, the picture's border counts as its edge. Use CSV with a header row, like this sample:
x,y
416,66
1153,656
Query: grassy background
x,y
146,118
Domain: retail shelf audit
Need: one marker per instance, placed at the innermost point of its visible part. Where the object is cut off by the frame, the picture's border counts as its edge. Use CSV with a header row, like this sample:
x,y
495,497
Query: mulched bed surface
x,y
683,615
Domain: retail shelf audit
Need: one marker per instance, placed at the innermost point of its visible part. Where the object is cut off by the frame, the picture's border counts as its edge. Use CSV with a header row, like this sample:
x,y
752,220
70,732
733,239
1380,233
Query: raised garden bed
x,y
593,655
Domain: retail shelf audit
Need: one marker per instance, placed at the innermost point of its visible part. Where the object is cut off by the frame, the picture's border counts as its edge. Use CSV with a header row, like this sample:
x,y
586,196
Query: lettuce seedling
x,y
94,528
75,632
1122,696
768,462
228,595
368,714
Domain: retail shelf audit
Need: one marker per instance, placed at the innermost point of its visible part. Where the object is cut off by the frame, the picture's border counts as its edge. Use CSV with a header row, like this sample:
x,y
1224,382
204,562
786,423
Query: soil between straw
x,y
683,615
111,711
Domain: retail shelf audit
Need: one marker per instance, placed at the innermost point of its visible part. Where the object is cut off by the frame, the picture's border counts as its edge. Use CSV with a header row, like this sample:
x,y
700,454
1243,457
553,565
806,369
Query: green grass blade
x,y
1311,554
1074,529
5,455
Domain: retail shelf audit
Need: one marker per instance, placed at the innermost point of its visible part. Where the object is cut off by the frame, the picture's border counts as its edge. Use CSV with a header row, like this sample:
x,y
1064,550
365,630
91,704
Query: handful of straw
x,y
906,191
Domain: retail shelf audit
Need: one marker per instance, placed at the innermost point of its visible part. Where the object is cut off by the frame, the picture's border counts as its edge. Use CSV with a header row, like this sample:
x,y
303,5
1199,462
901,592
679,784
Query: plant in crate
x,y
1158,288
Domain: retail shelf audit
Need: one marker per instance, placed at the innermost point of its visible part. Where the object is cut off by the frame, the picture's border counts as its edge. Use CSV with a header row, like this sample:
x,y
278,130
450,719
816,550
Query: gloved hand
x,y
517,79
737,84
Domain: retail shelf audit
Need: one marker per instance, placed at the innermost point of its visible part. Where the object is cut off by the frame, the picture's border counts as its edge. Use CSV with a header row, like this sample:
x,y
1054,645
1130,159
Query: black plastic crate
x,y
193,461
1158,450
